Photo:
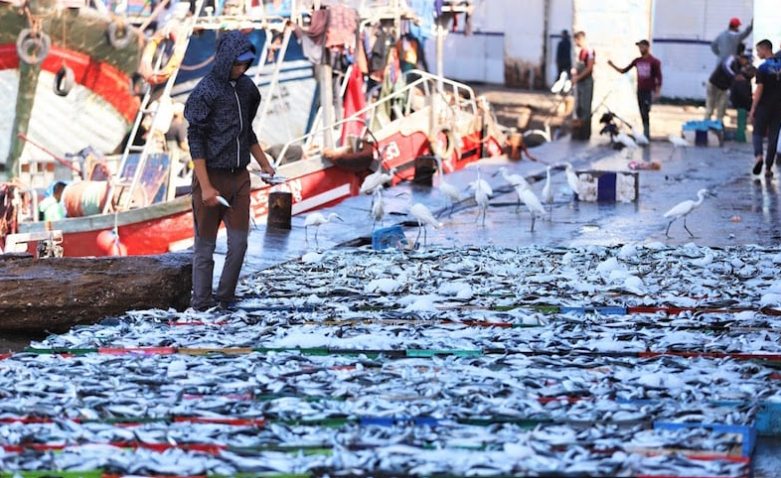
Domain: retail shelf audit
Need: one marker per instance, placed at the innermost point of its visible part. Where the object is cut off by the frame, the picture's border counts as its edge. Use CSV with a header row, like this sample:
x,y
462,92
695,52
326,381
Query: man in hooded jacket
x,y
220,111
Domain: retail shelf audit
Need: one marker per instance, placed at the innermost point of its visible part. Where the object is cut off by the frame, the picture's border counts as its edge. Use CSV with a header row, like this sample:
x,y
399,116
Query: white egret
x,y
316,220
640,138
513,180
626,140
375,180
425,218
531,201
516,181
683,209
481,183
378,208
452,193
573,180
628,143
678,142
482,192
547,191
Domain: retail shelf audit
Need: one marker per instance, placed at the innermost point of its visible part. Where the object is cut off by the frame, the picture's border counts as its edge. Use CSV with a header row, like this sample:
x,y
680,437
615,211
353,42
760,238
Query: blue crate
x,y
389,237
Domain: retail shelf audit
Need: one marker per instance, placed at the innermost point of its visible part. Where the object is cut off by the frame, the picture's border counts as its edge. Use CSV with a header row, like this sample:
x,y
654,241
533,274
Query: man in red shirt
x,y
649,81
583,80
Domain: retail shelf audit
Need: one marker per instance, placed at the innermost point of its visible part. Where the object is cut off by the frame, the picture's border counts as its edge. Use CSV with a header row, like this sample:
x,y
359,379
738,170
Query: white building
x,y
514,41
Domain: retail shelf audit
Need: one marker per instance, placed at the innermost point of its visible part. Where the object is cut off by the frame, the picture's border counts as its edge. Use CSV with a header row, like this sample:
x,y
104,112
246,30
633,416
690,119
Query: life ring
x,y
31,47
119,42
157,76
433,141
63,81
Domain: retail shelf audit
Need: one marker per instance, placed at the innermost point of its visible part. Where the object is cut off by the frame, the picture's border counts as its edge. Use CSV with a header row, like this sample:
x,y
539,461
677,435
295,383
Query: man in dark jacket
x,y
220,111
564,54
719,84
740,96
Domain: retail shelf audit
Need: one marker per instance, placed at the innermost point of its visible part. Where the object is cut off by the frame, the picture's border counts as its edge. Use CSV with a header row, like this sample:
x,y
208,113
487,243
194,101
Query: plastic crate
x,y
389,237
609,186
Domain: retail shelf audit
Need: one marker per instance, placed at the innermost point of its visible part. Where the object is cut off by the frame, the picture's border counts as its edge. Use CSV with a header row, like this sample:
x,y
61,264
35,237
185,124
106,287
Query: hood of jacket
x,y
231,45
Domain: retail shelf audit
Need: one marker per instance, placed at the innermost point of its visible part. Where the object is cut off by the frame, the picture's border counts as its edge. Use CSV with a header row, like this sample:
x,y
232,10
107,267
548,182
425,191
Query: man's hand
x,y
209,196
751,117
657,94
266,168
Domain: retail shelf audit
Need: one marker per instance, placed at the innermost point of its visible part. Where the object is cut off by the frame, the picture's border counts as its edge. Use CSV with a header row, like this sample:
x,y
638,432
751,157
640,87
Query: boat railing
x,y
447,98
129,183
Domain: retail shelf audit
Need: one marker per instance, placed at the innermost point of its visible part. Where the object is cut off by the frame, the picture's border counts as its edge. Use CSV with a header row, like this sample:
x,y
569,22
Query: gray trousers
x,y
203,269
235,188
585,95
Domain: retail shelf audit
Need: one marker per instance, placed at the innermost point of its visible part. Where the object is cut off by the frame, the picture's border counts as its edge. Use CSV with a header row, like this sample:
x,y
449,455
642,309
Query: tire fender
x,y
63,81
119,42
33,48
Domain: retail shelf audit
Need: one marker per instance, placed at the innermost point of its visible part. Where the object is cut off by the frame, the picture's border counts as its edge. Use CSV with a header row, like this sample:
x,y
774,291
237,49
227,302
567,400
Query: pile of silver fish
x,y
587,361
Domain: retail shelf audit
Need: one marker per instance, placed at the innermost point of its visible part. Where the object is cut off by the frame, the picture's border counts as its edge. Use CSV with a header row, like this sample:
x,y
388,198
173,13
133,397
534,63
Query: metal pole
x,y
327,103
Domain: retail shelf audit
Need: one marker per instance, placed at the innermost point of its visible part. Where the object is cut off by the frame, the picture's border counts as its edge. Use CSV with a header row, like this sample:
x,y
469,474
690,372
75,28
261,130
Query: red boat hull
x,y
314,183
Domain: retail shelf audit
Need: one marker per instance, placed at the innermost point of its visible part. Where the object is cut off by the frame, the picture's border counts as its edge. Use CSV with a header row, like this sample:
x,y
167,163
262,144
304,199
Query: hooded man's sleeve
x,y
197,112
253,139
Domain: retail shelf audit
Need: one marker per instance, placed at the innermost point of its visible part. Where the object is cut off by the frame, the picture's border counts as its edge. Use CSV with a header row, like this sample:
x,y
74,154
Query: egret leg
x,y
687,229
420,227
478,214
518,205
667,232
533,219
425,236
485,212
317,245
306,234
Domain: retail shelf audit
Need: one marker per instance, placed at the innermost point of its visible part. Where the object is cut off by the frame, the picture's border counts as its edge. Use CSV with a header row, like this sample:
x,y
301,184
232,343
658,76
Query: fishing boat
x,y
145,208
69,66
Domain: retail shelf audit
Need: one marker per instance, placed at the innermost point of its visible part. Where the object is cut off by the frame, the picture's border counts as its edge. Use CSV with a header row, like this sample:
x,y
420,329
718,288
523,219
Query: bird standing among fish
x,y
316,220
483,191
683,209
640,138
452,193
527,196
517,181
678,142
573,180
424,218
378,208
376,180
547,191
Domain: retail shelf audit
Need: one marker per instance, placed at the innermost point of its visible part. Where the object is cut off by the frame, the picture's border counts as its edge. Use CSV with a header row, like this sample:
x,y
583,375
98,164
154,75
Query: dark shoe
x,y
228,305
758,167
768,173
203,308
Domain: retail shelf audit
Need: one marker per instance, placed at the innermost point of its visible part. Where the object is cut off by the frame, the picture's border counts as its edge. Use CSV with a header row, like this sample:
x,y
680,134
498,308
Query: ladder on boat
x,y
127,186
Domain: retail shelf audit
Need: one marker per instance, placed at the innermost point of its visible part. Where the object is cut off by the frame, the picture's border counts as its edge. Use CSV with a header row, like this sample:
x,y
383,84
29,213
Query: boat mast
x,y
25,99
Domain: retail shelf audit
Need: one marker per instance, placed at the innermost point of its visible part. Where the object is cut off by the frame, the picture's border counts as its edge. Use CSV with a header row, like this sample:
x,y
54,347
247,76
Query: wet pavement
x,y
744,211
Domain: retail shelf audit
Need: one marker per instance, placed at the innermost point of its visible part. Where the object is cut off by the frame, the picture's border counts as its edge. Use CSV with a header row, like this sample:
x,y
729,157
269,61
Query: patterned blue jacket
x,y
220,112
